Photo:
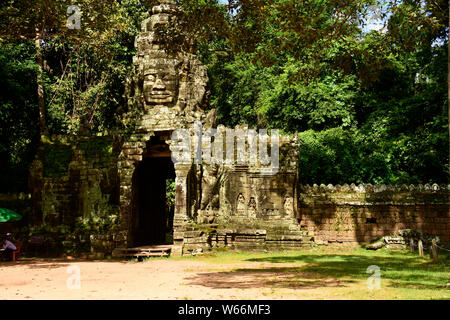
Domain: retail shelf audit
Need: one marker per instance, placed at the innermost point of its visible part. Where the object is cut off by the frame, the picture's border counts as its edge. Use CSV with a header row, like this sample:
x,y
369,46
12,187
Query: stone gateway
x,y
216,205
120,184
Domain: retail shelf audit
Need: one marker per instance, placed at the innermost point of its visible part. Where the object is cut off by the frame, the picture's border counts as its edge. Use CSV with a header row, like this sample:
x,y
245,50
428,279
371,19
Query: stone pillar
x,y
181,210
131,154
126,169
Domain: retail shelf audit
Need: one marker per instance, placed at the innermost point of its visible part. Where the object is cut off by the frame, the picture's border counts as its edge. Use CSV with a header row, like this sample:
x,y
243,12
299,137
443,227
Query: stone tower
x,y
170,89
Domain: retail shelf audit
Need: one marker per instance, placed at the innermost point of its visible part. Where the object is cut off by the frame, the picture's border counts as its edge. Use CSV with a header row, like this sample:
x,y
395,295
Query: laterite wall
x,y
357,214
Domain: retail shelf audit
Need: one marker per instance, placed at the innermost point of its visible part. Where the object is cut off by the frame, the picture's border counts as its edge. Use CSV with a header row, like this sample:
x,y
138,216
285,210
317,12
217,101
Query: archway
x,y
152,212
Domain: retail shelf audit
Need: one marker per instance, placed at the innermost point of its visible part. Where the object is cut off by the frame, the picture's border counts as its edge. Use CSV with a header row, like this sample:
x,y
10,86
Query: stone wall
x,y
229,206
251,212
358,214
74,189
245,207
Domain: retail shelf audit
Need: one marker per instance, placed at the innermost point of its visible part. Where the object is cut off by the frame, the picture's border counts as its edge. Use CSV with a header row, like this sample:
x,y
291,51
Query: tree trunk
x,y
40,87
448,82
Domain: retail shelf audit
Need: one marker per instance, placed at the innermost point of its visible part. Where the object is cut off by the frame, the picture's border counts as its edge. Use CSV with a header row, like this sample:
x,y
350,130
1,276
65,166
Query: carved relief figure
x,y
289,206
252,208
210,187
240,206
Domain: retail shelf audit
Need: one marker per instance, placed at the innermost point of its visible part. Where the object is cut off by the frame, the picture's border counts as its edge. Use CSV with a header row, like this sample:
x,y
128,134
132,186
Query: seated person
x,y
8,247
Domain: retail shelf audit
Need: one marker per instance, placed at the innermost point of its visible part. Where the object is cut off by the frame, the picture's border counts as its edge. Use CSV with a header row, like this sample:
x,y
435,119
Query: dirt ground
x,y
154,279
227,277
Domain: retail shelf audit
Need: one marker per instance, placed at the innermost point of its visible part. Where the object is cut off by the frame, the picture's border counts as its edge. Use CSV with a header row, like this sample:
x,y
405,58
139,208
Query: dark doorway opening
x,y
153,208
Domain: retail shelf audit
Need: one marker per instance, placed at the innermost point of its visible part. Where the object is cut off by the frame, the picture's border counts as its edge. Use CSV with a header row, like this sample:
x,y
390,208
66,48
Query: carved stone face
x,y
161,82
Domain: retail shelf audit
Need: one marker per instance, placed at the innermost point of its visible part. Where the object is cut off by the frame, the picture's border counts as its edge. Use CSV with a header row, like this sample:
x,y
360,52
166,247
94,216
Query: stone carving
x,y
374,188
206,216
177,80
240,206
211,119
210,187
252,208
289,206
161,81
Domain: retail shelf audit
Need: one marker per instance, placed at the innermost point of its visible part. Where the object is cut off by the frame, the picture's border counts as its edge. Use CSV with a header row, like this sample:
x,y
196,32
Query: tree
x,y
369,106
381,91
82,75
41,20
18,114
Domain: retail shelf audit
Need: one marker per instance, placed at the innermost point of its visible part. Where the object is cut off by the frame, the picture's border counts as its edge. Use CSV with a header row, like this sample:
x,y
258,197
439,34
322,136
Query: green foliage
x,y
83,76
18,114
100,224
297,107
55,159
370,107
328,154
170,193
96,147
86,83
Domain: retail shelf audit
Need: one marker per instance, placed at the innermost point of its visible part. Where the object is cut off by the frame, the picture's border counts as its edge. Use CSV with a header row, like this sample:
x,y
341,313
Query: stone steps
x,y
143,252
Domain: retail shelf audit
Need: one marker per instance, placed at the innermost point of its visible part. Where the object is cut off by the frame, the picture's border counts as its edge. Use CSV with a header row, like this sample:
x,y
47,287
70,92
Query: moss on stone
x,y
97,148
55,159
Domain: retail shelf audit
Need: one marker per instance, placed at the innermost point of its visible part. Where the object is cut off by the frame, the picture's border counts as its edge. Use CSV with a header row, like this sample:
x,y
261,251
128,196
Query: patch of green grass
x,y
339,273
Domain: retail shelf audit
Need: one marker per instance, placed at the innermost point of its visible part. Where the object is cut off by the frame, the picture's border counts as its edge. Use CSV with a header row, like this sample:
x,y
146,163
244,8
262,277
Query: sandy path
x,y
155,279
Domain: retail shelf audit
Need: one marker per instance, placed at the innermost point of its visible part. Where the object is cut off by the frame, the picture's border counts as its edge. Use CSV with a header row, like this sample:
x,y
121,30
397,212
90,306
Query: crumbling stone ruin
x,y
119,184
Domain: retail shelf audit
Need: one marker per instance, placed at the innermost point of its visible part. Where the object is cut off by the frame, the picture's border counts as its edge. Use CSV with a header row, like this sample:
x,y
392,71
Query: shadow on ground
x,y
291,278
403,270
310,271
54,263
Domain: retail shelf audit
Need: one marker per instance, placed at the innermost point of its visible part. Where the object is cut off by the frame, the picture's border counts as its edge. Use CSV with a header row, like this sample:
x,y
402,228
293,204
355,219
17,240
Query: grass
x,y
328,273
